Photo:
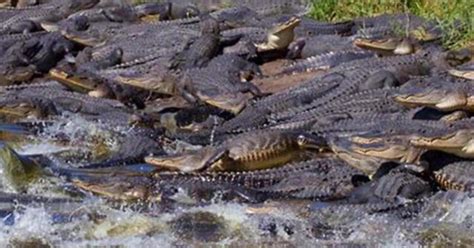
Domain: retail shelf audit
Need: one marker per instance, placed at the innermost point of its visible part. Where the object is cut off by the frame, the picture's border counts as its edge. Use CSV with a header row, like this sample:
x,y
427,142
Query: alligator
x,y
398,192
343,80
220,83
275,7
24,107
326,61
57,100
35,55
280,36
263,149
96,26
391,45
456,140
369,154
456,176
360,104
392,149
465,71
321,44
376,73
6,41
391,25
202,49
192,118
439,92
28,20
269,183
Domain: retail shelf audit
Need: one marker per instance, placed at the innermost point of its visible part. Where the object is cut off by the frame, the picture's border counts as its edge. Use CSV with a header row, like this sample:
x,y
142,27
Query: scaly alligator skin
x,y
396,24
269,183
465,71
439,92
345,79
457,176
457,140
335,182
220,85
388,72
326,61
321,44
309,27
28,19
382,124
252,151
35,55
396,185
171,40
360,104
398,192
69,101
8,40
202,49
19,108
275,7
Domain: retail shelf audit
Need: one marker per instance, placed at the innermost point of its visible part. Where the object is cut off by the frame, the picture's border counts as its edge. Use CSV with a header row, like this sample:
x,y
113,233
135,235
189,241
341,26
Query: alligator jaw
x,y
281,36
462,74
438,99
459,143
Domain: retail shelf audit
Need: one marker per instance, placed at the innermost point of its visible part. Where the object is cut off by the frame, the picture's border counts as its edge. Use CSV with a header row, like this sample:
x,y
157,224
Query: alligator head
x,y
191,161
280,36
444,99
124,188
460,143
396,46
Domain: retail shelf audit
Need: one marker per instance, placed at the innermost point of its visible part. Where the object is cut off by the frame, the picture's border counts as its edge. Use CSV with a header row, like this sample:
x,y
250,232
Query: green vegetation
x,y
455,17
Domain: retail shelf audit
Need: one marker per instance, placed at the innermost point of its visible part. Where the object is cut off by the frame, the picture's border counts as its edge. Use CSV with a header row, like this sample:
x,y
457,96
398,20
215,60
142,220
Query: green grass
x,y
455,17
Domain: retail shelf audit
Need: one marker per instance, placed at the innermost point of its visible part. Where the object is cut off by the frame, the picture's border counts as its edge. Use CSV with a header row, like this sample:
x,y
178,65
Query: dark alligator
x,y
56,101
202,49
326,61
385,25
221,84
377,73
357,105
398,192
324,178
28,19
13,109
344,80
35,55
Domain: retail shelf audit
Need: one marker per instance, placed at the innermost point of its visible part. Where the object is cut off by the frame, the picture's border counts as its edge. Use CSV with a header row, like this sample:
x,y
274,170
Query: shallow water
x,y
447,220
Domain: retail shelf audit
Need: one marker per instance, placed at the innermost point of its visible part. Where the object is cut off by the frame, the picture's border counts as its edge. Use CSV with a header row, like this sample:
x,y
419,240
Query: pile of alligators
x,y
249,103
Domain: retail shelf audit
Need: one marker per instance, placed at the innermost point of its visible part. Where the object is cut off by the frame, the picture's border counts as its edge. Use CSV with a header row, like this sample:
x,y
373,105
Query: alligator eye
x,y
301,140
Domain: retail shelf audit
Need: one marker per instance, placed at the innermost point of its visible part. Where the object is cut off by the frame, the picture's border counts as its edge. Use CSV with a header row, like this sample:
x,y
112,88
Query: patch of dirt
x,y
270,82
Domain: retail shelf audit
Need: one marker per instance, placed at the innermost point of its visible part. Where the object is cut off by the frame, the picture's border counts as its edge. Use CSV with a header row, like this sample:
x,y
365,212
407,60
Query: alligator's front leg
x,y
245,87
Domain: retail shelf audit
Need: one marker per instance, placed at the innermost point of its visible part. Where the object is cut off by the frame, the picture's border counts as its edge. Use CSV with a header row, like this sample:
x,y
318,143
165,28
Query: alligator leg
x,y
25,26
212,162
246,87
380,79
